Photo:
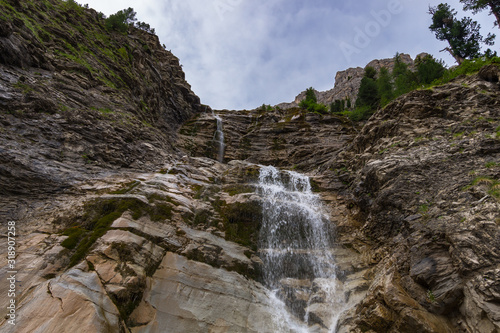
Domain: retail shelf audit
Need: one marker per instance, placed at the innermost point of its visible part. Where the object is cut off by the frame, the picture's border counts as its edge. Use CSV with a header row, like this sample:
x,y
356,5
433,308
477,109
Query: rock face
x,y
126,222
289,138
347,82
422,175
173,301
77,100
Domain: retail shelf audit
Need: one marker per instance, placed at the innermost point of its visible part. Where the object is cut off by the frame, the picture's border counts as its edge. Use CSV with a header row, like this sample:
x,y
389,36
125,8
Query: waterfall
x,y
296,247
219,138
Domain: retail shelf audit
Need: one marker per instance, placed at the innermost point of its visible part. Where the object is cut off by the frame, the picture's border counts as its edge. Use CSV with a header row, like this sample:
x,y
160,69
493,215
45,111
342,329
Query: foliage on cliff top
x,y
429,72
311,103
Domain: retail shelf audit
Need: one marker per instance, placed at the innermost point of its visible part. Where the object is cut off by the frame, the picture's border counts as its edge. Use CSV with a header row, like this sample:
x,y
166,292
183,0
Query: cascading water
x,y
296,247
219,138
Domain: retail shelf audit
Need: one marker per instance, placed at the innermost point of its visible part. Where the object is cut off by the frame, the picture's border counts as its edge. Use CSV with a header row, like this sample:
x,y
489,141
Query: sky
x,y
240,54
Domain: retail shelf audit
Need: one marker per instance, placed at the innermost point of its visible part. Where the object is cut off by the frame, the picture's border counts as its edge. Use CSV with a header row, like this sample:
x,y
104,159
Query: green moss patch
x,y
127,187
242,222
233,190
98,217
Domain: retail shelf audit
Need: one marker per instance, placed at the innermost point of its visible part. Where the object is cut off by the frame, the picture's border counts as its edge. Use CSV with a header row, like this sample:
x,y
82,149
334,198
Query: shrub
x,y
72,4
310,102
266,107
145,26
466,68
429,69
359,113
338,106
121,20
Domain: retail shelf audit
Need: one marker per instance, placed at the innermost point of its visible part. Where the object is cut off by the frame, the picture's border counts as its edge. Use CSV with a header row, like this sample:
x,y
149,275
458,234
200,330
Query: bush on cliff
x,y
121,20
310,103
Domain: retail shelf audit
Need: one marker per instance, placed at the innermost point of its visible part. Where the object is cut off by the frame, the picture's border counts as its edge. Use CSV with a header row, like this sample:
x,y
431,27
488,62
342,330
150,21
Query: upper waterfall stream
x,y
296,246
219,138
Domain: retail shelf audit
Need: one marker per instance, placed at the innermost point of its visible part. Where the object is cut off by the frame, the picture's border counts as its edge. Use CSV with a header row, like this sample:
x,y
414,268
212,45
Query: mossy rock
x,y
233,190
242,222
98,217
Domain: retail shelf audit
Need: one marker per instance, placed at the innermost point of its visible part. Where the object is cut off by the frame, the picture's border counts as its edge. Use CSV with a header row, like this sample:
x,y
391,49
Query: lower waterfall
x,y
296,246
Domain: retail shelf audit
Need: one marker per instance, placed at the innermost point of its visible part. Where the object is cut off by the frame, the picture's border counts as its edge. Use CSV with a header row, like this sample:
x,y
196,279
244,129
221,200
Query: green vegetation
x,y
98,217
340,105
146,27
368,91
266,107
233,190
466,68
385,88
477,6
74,235
424,208
310,103
378,92
463,36
121,20
429,69
241,222
79,37
378,89
72,4
492,185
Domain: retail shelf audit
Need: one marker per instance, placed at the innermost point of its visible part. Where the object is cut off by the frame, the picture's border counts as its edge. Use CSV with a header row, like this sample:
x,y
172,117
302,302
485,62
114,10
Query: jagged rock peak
x,y
347,82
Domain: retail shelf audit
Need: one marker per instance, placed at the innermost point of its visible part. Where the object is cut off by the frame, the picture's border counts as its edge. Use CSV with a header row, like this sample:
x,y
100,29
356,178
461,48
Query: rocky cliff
x,y
347,82
416,197
78,100
127,222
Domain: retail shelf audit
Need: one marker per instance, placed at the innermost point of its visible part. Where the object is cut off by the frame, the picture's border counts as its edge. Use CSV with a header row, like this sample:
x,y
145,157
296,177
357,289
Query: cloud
x,y
243,53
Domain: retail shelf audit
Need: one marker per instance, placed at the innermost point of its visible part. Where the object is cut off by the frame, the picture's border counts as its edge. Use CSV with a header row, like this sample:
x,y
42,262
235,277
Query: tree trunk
x,y
495,12
458,58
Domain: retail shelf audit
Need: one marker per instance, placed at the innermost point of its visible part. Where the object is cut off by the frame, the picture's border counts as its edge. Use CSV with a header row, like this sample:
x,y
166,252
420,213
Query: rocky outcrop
x,y
412,196
77,99
347,82
415,197
292,138
173,302
176,249
422,175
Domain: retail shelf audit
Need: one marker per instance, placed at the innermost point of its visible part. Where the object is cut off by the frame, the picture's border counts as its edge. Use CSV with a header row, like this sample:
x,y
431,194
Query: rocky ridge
x,y
347,82
78,100
422,172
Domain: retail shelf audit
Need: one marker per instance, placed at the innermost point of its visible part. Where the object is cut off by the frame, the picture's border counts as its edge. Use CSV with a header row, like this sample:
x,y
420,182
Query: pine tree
x,y
121,20
310,102
463,35
311,95
477,6
385,87
404,79
368,90
429,69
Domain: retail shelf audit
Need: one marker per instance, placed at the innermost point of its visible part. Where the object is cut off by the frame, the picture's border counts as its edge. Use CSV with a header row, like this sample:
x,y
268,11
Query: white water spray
x,y
296,247
219,138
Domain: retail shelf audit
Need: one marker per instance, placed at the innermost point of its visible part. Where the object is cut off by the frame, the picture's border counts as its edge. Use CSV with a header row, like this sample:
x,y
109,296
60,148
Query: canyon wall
x,y
128,220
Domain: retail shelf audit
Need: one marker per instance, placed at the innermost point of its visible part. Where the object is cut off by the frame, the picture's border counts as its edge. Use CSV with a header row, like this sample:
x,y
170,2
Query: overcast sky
x,y
239,54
